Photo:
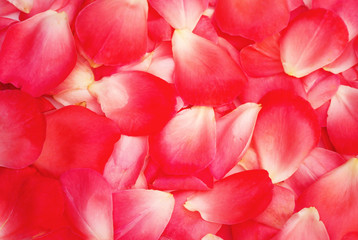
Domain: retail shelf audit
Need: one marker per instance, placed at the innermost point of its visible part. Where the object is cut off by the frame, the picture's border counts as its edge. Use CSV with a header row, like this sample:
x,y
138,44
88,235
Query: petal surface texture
x,y
113,32
180,13
89,203
205,74
342,120
286,131
75,138
336,203
303,225
23,129
304,42
141,214
30,53
233,199
241,17
140,103
30,204
234,133
186,145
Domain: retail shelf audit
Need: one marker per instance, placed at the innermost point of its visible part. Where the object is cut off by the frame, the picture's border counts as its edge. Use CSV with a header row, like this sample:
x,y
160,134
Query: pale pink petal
x,y
234,132
304,43
241,17
125,163
303,225
180,13
205,74
89,203
234,199
186,145
141,214
185,224
286,131
342,121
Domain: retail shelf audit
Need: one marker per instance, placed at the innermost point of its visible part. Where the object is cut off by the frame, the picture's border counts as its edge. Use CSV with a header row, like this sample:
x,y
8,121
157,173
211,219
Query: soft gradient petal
x,y
286,131
205,74
89,203
35,67
234,199
141,214
304,43
186,145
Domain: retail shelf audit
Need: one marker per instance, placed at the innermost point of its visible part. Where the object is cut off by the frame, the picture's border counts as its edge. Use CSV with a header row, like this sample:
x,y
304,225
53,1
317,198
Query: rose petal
x,y
304,42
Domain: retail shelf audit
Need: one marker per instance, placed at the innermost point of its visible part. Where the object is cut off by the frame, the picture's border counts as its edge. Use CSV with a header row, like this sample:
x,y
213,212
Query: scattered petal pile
x,y
178,119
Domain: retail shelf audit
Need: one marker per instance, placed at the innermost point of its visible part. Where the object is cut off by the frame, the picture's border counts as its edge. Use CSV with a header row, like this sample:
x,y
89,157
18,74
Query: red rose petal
x,y
89,203
304,42
241,17
234,199
113,32
140,103
186,145
23,129
205,74
141,214
286,131
35,67
76,137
